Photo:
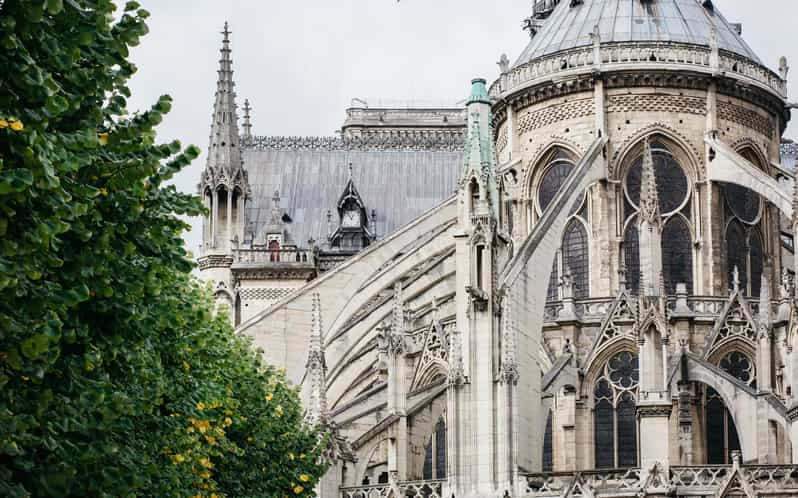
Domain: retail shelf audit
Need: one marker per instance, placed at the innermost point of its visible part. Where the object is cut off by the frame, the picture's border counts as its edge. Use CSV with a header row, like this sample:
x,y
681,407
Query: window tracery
x,y
673,190
721,432
573,254
614,418
744,247
435,453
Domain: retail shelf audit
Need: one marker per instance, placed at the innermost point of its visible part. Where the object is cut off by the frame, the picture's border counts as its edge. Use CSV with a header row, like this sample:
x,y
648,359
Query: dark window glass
x,y
739,366
604,422
440,450
631,254
554,282
627,431
756,257
736,254
743,202
732,438
548,459
383,478
624,370
575,257
677,255
715,418
552,181
671,180
427,472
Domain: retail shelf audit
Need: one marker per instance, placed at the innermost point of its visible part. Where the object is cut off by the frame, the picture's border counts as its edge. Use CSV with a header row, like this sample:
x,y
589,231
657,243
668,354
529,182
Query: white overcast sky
x,y
300,62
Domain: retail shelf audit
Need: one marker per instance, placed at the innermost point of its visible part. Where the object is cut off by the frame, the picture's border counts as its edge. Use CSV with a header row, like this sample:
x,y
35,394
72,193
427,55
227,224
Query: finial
x,y
784,68
649,197
247,123
226,31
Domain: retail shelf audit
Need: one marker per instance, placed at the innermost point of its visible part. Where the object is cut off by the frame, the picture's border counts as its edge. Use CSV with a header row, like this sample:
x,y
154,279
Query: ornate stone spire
x,y
317,369
649,197
508,372
223,144
247,122
479,153
764,302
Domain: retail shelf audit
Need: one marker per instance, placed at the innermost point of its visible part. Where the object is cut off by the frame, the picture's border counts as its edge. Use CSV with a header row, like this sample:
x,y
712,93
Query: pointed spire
x,y
223,150
649,197
509,366
316,368
479,152
735,279
247,120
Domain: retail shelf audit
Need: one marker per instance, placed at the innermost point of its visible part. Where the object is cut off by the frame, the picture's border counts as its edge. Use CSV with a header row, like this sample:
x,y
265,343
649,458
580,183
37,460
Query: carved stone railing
x,y
442,140
706,477
693,480
627,55
273,256
555,483
408,489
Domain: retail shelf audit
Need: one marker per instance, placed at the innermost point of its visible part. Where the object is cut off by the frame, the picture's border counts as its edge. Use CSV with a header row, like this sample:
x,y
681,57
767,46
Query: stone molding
x,y
215,261
449,140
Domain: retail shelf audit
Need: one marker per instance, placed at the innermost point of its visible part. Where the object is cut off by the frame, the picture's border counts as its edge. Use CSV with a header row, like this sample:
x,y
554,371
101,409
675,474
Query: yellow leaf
x,y
304,477
3,124
298,489
16,125
103,138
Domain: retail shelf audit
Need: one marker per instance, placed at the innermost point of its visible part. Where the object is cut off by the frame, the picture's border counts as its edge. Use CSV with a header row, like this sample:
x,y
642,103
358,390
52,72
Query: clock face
x,y
350,219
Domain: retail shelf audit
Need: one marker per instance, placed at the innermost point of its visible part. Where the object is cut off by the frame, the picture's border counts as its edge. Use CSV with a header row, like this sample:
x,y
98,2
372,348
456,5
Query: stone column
x,y
241,218
229,209
214,217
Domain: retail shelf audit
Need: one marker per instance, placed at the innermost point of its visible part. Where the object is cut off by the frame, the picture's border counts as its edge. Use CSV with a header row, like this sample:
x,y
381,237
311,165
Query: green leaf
x,y
15,180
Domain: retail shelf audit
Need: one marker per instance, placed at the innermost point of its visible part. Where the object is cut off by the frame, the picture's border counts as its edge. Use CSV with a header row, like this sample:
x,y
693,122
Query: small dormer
x,y
353,232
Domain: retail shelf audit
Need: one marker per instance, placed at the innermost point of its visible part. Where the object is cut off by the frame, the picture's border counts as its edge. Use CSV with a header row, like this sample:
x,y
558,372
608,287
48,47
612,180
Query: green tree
x,y
115,377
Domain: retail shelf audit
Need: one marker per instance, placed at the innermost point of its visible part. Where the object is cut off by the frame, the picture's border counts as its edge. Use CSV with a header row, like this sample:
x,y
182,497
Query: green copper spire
x,y
480,157
479,92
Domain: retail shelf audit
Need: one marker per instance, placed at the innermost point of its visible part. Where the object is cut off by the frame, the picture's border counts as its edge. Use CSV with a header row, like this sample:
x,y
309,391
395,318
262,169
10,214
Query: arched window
x,y
721,433
744,243
614,406
548,456
435,453
677,255
631,255
274,247
575,256
673,192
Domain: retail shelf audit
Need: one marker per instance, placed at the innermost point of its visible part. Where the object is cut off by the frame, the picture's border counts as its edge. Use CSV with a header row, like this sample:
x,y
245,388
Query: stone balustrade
x,y
693,480
621,56
408,489
273,256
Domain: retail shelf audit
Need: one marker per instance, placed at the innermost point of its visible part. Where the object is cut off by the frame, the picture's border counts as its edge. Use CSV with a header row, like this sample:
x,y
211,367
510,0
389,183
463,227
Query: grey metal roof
x,y
684,21
399,184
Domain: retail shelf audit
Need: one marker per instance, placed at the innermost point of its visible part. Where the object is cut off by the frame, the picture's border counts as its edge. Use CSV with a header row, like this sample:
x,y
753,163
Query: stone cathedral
x,y
580,282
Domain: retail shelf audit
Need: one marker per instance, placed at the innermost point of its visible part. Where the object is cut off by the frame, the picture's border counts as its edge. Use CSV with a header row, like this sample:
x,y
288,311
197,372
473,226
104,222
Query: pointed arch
x,y
575,249
677,254
686,153
537,166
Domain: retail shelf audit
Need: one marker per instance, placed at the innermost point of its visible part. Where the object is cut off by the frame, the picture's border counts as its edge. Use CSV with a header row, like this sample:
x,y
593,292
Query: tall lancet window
x,y
572,258
614,406
435,453
674,197
744,244
720,430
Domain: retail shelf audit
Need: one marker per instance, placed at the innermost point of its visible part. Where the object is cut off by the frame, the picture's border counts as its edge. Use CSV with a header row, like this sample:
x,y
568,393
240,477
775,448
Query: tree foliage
x,y
115,377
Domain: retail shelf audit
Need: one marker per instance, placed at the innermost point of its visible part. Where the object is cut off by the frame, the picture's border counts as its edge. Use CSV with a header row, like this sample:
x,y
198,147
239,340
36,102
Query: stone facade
x,y
606,306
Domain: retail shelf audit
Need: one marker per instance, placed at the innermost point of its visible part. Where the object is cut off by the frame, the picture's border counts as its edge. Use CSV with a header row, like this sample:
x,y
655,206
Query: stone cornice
x,y
452,140
215,261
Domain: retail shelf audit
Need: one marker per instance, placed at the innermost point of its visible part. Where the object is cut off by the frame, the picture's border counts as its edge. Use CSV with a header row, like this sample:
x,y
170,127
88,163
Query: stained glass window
x,y
743,202
677,255
614,415
739,366
631,254
548,462
552,181
440,450
672,186
715,424
575,257
722,437
756,256
552,293
427,472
